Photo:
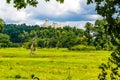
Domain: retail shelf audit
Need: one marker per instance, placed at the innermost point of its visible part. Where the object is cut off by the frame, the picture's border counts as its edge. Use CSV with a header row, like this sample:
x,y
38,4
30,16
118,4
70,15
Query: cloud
x,y
73,12
94,16
78,24
58,9
10,14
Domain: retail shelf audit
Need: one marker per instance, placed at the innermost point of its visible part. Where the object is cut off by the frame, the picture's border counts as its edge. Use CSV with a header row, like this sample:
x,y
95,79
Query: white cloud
x,y
68,6
53,9
94,16
7,12
39,22
78,24
20,16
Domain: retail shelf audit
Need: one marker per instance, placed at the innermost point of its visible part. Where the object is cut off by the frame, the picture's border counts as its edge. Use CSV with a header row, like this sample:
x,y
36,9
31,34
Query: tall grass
x,y
50,64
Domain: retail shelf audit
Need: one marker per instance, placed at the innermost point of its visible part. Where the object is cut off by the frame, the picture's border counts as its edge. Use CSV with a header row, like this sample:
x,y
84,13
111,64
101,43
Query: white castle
x,y
54,25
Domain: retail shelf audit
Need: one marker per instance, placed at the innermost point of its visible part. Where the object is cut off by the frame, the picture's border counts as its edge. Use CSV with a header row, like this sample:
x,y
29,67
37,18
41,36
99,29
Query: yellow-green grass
x,y
50,64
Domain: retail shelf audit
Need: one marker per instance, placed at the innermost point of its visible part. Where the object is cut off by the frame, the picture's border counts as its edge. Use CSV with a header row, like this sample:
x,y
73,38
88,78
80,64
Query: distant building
x,y
46,24
54,25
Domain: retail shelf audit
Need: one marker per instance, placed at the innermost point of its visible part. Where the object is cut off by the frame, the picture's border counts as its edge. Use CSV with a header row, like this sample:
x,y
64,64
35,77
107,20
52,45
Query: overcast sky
x,y
71,12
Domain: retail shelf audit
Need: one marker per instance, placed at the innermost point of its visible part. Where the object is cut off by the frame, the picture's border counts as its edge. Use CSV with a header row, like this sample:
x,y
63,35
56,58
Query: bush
x,y
14,45
28,44
4,40
82,48
17,76
98,47
3,45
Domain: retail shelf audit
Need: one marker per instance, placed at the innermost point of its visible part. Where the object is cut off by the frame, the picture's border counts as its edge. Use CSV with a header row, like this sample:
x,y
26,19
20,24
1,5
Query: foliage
x,y
47,37
65,37
33,77
110,10
18,33
88,31
28,44
14,45
82,48
1,25
19,4
17,76
102,40
4,40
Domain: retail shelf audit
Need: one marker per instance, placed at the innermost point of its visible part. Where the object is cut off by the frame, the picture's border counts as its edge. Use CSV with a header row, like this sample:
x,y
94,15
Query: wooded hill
x,y
67,37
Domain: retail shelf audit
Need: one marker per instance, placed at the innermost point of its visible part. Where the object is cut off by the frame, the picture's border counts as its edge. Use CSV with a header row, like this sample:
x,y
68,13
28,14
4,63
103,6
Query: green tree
x,y
24,36
40,42
58,38
1,25
24,3
110,10
102,40
81,40
4,40
88,32
33,35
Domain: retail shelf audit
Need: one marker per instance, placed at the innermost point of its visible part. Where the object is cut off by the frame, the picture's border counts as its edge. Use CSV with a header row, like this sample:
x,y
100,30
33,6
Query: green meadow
x,y
50,64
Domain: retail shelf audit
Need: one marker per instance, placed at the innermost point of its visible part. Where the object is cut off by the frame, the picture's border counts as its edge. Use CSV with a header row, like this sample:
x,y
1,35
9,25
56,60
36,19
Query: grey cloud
x,y
72,11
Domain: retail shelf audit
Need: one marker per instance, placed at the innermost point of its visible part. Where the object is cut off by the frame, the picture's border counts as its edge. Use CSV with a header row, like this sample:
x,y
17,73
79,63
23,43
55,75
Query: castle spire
x,y
46,20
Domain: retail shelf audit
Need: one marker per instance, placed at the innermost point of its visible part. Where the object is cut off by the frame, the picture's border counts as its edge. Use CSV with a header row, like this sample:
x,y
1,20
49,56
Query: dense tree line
x,y
67,37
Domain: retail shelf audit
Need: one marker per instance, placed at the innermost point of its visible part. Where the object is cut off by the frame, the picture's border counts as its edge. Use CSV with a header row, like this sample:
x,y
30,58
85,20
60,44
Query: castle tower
x,y
46,24
46,20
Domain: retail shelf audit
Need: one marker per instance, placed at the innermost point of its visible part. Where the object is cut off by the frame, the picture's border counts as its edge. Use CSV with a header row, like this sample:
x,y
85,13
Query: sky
x,y
71,12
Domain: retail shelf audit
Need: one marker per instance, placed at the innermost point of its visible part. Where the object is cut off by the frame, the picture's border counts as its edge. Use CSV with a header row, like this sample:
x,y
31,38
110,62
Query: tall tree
x,y
88,31
4,40
110,10
102,40
1,25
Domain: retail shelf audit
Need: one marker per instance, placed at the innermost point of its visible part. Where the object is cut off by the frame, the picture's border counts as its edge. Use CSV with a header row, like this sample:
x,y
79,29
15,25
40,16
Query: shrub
x,y
98,47
17,76
14,45
82,48
28,44
3,45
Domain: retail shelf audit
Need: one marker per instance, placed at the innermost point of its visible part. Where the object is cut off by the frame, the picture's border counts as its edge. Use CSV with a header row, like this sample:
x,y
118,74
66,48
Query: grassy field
x,y
50,64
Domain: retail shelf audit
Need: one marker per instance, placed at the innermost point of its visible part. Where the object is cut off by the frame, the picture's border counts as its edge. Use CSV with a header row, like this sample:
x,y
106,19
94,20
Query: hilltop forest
x,y
93,35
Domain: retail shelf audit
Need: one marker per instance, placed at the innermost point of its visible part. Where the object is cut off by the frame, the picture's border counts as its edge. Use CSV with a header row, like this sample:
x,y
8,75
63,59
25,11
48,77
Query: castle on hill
x,y
54,25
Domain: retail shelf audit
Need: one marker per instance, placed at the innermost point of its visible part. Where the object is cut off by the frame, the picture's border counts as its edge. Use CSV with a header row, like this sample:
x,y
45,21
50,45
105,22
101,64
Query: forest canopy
x,y
66,37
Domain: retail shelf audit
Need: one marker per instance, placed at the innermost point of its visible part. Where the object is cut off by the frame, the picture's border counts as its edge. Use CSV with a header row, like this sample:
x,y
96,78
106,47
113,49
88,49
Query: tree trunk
x,y
31,48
